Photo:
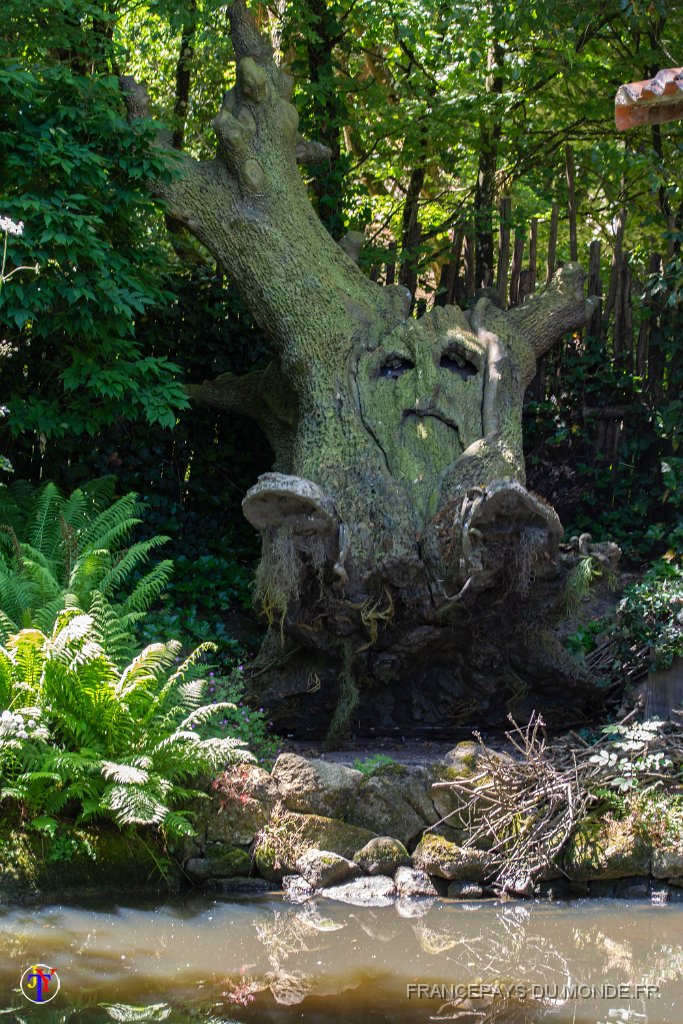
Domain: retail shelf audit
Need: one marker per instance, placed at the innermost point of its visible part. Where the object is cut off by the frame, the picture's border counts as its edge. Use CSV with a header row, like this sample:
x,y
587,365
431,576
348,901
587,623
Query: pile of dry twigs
x,y
523,805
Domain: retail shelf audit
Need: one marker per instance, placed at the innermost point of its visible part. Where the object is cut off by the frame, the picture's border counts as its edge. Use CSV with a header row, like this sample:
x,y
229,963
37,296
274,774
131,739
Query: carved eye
x,y
395,366
456,362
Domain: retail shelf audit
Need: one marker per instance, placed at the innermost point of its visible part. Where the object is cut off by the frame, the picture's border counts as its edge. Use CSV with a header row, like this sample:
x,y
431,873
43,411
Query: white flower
x,y
11,227
7,716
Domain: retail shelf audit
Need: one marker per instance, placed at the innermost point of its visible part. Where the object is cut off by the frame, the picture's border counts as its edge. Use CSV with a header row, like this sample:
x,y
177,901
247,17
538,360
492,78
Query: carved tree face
x,y
421,394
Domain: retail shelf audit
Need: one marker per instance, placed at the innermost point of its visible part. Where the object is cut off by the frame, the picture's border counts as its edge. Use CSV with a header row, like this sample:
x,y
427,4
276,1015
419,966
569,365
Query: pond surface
x,y
262,960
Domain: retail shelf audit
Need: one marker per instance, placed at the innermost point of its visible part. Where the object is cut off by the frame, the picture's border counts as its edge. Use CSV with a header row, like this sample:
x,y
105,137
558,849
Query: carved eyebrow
x,y
394,366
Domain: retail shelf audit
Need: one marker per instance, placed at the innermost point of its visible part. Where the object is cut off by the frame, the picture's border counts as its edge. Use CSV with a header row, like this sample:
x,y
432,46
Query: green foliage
x,y
661,815
239,719
58,552
628,755
649,628
369,765
72,171
579,582
78,735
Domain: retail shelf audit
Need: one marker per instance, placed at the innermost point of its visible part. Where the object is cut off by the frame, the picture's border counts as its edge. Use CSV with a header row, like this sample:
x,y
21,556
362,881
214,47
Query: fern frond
x,y
192,660
203,714
100,492
147,589
132,805
124,773
147,666
113,525
176,824
44,532
135,556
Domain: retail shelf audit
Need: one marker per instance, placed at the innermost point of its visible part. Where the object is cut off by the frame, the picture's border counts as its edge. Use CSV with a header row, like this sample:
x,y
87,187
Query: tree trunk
x,y
405,566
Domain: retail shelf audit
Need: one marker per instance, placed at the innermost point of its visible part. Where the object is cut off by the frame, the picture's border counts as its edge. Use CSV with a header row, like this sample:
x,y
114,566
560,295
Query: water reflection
x,y
262,960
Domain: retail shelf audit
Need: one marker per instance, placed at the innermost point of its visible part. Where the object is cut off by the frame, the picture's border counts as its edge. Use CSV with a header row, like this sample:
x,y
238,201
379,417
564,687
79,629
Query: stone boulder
x,y
219,861
381,856
364,892
316,786
394,801
465,891
606,849
411,882
242,800
438,856
667,862
288,835
321,868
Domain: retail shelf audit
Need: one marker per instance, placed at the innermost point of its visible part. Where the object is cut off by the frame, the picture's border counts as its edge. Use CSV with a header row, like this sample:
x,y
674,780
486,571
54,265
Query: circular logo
x,y
39,983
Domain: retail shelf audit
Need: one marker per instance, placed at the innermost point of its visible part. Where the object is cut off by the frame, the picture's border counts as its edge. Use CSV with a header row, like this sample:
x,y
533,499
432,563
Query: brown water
x,y
216,960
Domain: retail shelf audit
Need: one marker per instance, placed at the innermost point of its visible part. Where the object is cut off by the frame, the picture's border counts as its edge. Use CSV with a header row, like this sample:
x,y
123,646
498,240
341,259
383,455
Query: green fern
x,y
124,744
61,552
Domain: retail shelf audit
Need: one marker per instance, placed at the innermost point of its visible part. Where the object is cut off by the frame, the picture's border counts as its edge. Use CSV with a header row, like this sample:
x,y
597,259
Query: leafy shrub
x,y
649,627
239,719
58,552
80,736
628,757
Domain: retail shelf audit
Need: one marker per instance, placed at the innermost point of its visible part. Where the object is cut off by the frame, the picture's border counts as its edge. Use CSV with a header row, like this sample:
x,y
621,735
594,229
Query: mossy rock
x,y
611,848
437,856
395,805
382,856
288,835
219,861
316,786
87,861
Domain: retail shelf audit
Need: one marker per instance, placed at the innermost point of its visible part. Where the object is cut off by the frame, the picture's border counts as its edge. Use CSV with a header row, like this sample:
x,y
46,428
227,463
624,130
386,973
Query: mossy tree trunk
x,y
397,525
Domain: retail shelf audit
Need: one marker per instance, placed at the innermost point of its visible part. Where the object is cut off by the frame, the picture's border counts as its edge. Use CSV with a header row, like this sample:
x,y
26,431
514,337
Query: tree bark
x,y
398,515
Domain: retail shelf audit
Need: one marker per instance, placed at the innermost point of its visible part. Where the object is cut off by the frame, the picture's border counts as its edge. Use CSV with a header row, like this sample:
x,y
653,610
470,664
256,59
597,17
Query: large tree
x,y
406,570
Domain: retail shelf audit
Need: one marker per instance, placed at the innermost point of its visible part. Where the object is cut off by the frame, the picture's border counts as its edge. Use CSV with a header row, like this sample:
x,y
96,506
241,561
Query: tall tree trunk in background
x,y
328,110
406,571
485,192
183,75
411,231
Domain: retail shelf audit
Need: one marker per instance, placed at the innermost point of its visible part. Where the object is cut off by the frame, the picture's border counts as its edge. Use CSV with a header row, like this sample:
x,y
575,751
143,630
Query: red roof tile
x,y
651,102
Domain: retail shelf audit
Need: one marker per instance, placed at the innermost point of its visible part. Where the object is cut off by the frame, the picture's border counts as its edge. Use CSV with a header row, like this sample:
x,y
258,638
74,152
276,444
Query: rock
x,y
633,889
463,757
295,889
316,787
378,891
667,862
461,764
412,882
243,798
288,835
394,801
465,891
438,856
241,886
381,856
218,862
606,849
322,868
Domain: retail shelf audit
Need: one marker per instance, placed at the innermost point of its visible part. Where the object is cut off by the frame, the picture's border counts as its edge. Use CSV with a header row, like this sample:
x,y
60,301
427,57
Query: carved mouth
x,y
426,414
430,422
